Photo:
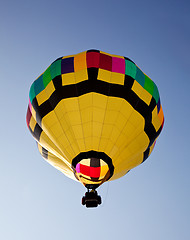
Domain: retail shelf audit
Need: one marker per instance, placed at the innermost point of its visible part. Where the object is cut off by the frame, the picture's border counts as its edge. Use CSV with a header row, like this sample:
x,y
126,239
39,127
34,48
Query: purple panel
x,y
67,65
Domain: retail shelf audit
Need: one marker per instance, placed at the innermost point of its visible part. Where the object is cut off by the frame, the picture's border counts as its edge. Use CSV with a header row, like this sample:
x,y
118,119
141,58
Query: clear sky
x,y
152,201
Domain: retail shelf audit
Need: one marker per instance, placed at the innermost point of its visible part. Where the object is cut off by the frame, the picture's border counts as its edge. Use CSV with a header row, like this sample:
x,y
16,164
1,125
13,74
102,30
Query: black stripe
x,y
44,153
37,132
146,153
57,82
57,59
129,59
94,162
97,155
105,88
93,50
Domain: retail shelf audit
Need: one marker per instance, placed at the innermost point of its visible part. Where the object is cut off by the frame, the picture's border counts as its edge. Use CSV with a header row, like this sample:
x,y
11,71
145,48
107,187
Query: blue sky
x,y
152,201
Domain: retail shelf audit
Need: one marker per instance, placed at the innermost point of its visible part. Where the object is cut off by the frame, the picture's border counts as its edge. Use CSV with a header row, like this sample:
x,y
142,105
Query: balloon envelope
x,y
95,116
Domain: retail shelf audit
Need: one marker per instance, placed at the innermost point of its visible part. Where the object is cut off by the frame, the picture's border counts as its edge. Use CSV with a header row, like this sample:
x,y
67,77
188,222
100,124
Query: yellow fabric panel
x,y
129,160
104,75
141,92
124,166
156,123
137,120
158,119
96,129
56,129
152,147
120,141
88,143
104,170
68,78
74,118
155,112
80,61
120,121
78,131
61,139
85,181
81,144
107,128
128,131
137,88
110,117
86,115
32,123
42,97
49,89
87,127
95,142
69,105
106,145
126,109
97,122
85,101
49,120
99,101
98,115
70,148
33,113
118,174
115,133
71,121
146,96
139,144
117,78
79,135
81,75
46,142
69,141
114,103
134,145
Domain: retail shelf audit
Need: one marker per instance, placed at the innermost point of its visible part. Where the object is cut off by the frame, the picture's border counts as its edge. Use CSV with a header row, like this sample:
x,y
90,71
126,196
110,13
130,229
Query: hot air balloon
x,y
94,116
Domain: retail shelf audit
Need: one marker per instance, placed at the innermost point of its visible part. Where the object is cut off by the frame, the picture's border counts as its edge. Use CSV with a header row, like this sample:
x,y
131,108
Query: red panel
x,y
85,170
95,172
105,62
28,116
93,59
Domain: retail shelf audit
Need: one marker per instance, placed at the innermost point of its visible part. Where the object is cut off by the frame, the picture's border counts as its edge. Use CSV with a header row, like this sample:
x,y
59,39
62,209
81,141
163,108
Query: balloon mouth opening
x,y
92,168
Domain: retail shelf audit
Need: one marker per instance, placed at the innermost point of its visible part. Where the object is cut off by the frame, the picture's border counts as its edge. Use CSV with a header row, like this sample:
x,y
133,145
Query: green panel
x,y
32,93
149,85
47,77
130,68
156,93
55,69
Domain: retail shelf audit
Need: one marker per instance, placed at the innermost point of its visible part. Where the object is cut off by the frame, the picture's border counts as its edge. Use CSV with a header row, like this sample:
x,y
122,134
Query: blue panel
x,y
38,85
140,78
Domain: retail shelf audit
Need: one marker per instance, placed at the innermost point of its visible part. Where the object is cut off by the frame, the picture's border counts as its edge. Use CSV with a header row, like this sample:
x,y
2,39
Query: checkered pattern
x,y
95,101
92,169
